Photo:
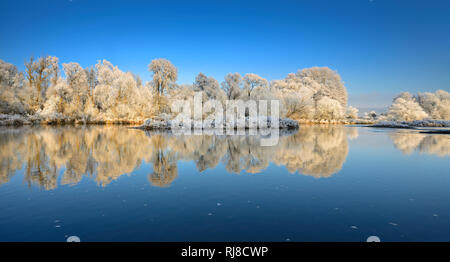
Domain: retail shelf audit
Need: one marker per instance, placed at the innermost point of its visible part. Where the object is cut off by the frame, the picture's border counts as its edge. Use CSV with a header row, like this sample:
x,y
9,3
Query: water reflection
x,y
104,153
319,151
434,144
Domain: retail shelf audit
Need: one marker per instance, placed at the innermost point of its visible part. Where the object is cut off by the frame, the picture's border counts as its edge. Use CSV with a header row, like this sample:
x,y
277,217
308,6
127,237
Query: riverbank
x,y
336,122
412,124
285,123
249,123
18,120
21,120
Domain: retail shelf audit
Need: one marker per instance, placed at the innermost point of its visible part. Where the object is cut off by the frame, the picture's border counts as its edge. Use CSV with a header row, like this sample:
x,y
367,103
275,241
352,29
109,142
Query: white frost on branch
x,y
104,93
406,108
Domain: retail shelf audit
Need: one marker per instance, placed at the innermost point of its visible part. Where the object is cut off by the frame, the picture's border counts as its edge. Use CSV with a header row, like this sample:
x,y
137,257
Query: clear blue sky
x,y
380,47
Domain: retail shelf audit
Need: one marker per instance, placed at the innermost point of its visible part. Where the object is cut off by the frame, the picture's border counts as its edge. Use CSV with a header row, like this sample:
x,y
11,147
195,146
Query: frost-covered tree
x,y
352,112
105,93
14,99
209,86
164,75
54,69
39,74
24,93
232,86
7,96
253,81
406,108
436,105
297,99
117,95
67,97
138,80
328,108
59,98
302,94
201,82
372,115
7,73
77,81
298,105
329,83
91,75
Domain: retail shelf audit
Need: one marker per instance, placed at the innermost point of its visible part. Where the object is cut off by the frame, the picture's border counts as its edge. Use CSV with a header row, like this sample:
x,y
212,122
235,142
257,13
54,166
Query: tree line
x,y
46,91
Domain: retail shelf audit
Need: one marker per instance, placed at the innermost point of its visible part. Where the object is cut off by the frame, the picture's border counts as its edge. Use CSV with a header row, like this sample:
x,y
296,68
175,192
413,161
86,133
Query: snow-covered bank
x,y
335,122
154,123
13,120
412,124
167,124
21,120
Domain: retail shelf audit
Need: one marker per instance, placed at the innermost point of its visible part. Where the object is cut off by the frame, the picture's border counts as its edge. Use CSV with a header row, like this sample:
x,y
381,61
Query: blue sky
x,y
380,47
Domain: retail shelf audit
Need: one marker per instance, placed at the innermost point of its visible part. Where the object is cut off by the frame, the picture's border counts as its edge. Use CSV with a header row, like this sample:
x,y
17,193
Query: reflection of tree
x,y
164,163
103,152
9,162
352,132
245,153
319,151
205,150
108,152
430,144
38,169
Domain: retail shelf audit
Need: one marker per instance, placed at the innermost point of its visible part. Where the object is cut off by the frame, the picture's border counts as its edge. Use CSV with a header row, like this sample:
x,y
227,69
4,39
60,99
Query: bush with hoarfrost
x,y
328,108
406,108
352,113
329,83
58,101
105,93
308,93
436,105
11,90
164,122
118,96
427,105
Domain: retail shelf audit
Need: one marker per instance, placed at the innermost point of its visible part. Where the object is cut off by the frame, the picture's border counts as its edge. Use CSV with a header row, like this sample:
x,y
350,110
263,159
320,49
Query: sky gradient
x,y
379,47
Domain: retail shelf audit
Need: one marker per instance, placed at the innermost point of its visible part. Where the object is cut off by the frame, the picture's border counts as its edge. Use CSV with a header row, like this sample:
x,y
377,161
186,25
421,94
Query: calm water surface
x,y
111,183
